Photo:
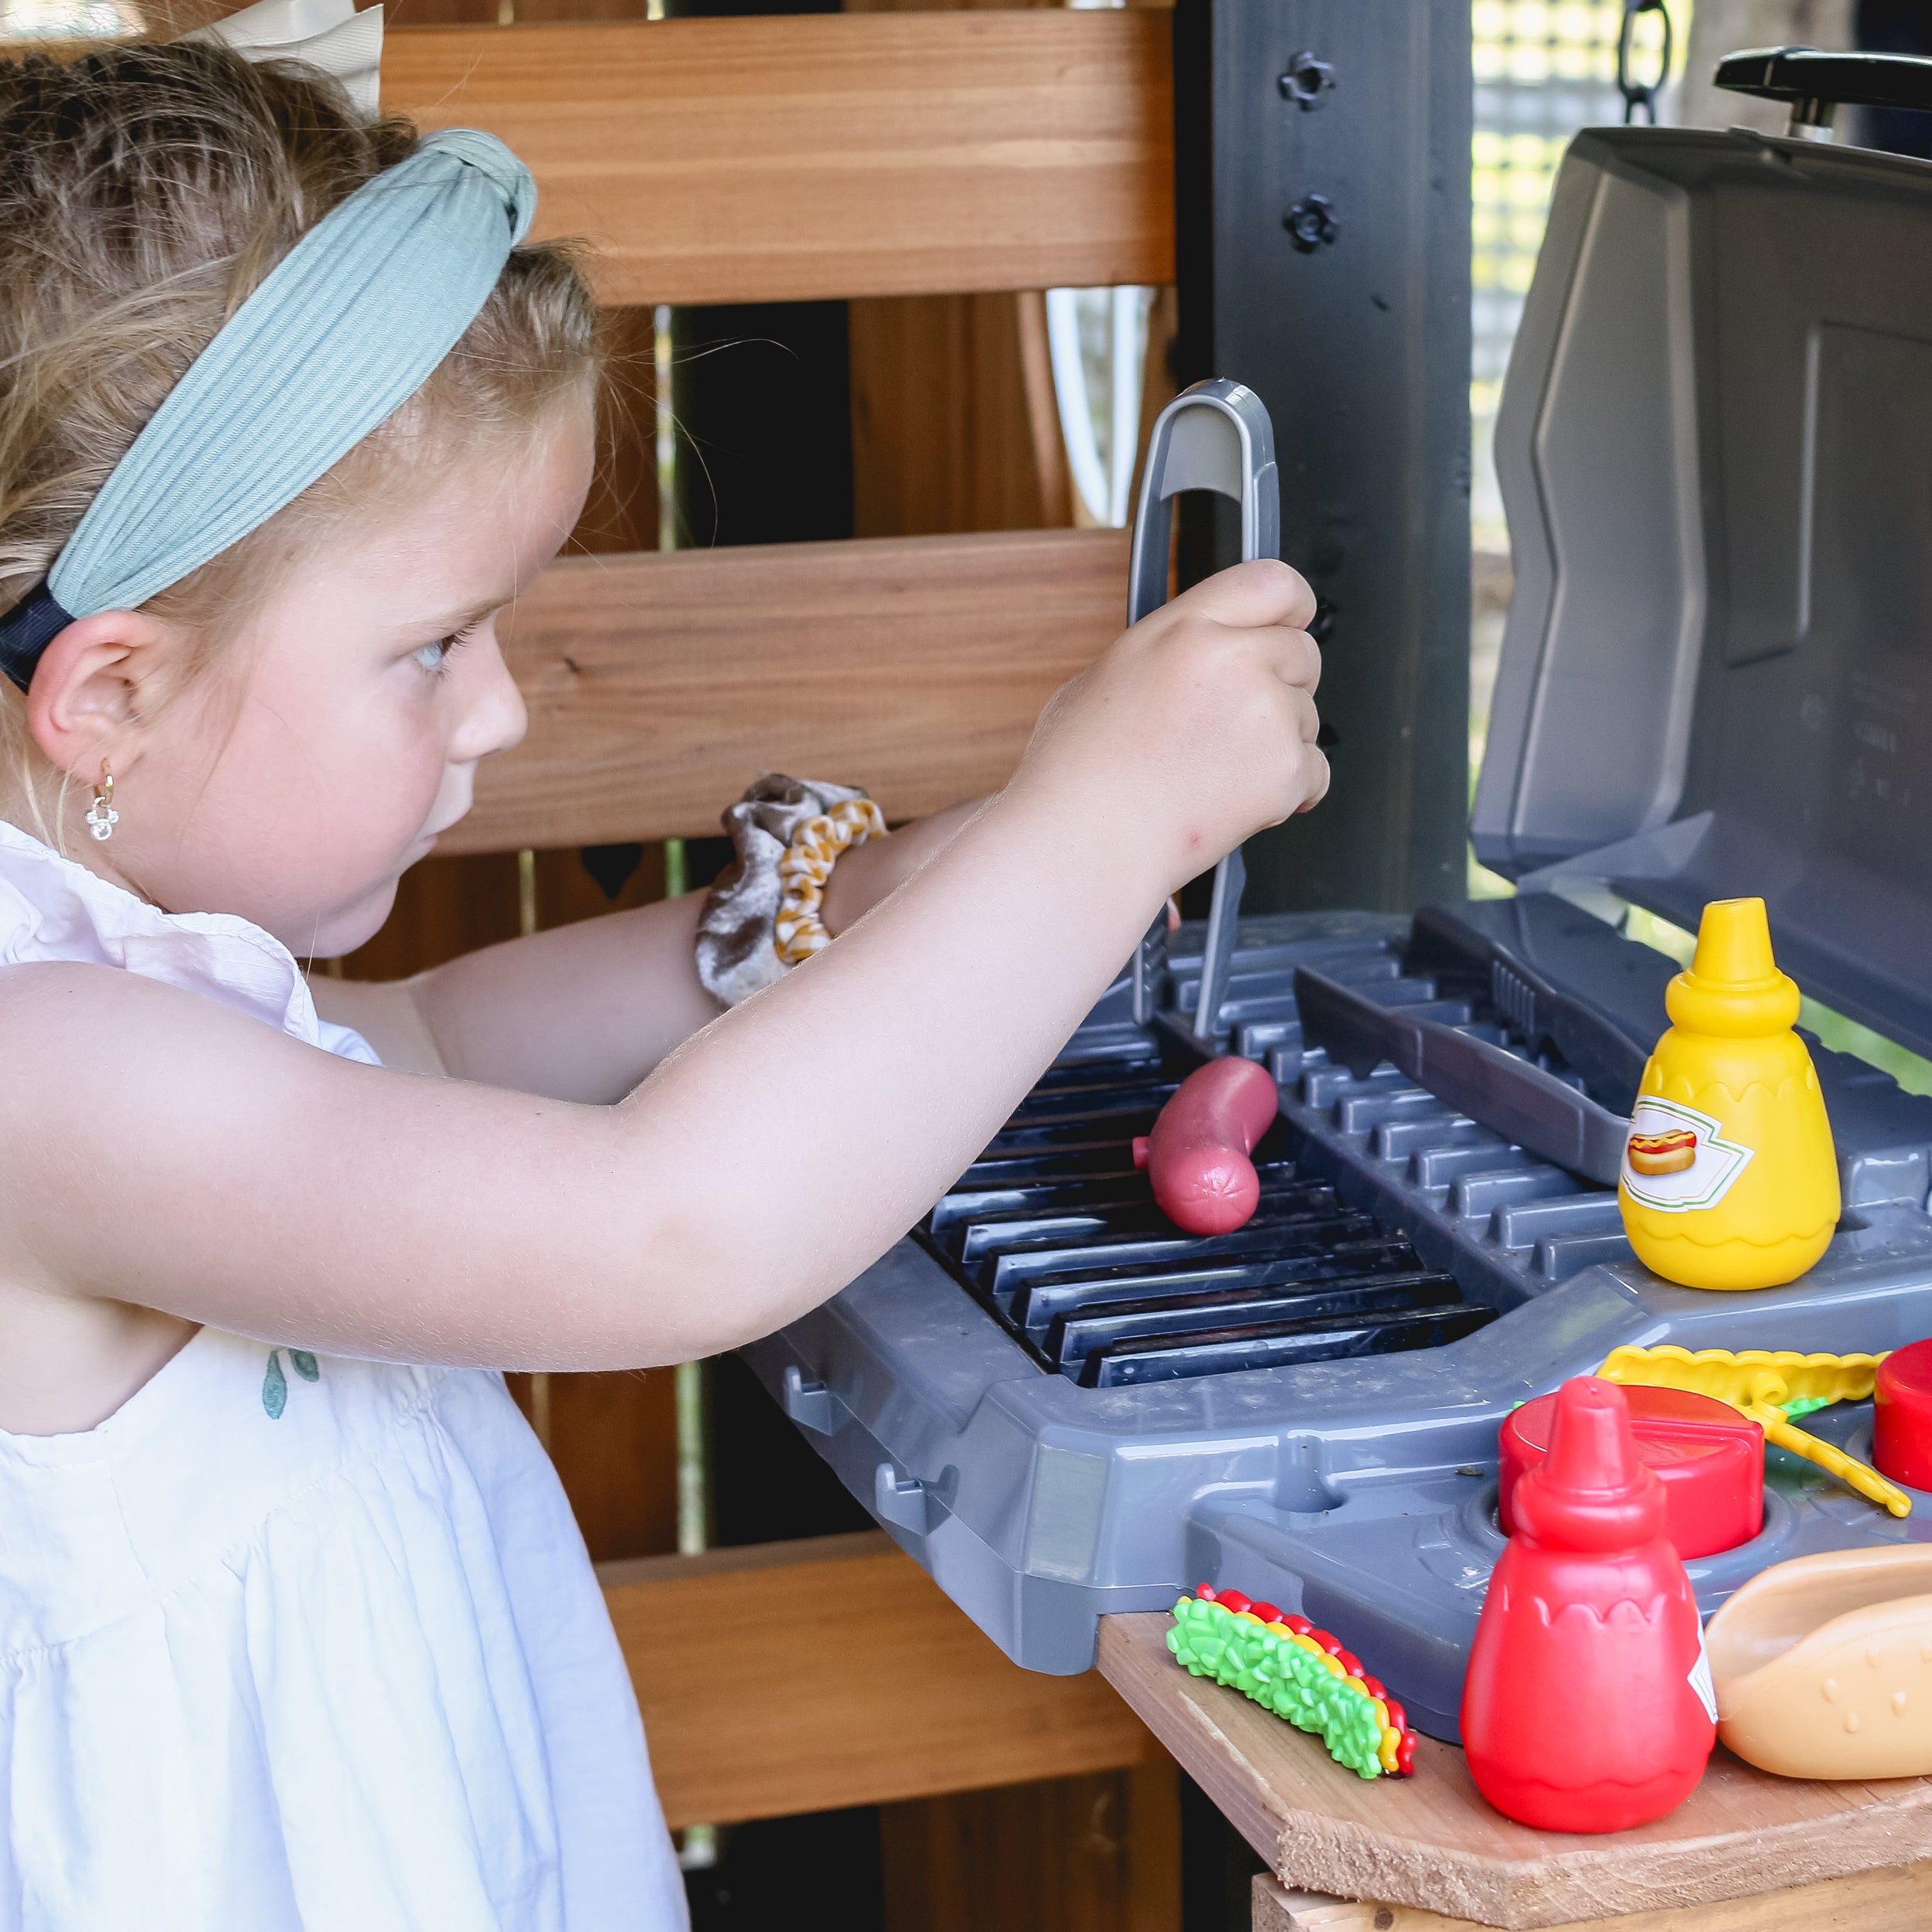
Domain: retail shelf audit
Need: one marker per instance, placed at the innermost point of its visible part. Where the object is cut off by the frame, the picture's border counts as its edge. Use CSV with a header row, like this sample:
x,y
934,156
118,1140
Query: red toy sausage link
x,y
1197,1156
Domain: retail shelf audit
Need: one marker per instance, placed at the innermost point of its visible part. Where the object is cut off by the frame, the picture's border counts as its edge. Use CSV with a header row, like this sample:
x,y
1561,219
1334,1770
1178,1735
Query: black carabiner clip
x,y
1638,94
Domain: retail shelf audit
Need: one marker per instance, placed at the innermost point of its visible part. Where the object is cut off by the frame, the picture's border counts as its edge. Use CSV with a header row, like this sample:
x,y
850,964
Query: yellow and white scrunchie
x,y
763,916
798,932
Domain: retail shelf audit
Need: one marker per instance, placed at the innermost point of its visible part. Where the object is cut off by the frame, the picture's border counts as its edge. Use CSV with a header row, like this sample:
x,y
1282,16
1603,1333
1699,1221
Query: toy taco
x,y
1824,1665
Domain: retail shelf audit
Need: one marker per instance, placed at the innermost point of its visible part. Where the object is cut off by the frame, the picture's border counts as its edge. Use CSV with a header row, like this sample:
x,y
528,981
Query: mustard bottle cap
x,y
1734,986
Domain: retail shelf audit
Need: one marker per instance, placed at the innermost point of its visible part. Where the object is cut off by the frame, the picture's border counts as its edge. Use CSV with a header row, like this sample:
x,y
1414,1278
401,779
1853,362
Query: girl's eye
x,y
435,656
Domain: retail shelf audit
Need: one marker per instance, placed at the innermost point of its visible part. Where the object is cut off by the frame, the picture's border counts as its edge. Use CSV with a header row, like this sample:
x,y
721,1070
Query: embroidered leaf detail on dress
x,y
303,1364
274,1387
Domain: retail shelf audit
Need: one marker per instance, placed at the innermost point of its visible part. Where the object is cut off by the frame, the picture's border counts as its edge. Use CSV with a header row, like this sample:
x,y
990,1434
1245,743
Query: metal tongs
x,y
1216,436
1213,436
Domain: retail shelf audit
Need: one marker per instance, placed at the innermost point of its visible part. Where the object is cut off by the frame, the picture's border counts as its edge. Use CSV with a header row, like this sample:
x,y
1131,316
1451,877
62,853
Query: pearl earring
x,y
102,817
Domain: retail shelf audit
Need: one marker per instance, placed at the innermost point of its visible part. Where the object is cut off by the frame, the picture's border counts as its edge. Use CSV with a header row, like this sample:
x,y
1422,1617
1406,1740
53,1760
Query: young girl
x,y
295,1628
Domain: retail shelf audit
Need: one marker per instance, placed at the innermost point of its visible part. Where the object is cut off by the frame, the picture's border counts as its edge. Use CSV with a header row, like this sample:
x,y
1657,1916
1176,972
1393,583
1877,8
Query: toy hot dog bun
x,y
1197,1156
1670,1153
1823,1665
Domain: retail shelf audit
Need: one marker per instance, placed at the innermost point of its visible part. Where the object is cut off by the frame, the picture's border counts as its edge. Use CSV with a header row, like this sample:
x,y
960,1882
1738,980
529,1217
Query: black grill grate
x,y
1055,1230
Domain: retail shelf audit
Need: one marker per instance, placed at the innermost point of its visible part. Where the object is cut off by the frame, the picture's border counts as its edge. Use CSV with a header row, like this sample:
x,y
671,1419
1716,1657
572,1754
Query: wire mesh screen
x,y
1542,71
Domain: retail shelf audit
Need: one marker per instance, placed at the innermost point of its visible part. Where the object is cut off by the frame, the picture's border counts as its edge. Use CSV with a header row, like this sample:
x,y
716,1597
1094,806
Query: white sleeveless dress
x,y
292,1642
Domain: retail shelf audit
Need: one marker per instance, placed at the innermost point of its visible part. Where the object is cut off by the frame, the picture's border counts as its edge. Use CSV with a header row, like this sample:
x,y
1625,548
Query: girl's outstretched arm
x,y
584,1012
156,1148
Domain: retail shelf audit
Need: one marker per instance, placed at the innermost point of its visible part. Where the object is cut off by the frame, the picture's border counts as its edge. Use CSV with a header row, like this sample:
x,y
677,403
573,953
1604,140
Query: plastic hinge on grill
x,y
909,1504
809,1404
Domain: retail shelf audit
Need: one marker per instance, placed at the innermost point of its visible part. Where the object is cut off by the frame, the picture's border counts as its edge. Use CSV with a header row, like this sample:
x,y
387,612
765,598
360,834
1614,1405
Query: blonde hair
x,y
145,191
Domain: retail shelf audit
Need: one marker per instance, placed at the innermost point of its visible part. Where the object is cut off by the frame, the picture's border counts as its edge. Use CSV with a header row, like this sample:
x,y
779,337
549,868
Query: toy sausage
x,y
1670,1153
1197,1156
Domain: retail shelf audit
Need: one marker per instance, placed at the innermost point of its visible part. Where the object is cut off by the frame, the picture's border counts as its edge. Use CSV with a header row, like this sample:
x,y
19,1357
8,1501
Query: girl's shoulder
x,y
53,910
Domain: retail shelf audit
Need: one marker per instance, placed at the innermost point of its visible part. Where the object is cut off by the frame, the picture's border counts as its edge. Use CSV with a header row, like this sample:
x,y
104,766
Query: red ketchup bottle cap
x,y
1709,1459
1590,1492
1902,1417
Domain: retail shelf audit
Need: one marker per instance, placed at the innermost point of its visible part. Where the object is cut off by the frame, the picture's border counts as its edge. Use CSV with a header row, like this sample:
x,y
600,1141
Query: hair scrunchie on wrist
x,y
799,932
762,915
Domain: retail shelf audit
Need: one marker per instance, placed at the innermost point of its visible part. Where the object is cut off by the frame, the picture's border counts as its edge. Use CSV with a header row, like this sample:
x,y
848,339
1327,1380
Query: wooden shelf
x,y
793,158
1430,1841
807,1676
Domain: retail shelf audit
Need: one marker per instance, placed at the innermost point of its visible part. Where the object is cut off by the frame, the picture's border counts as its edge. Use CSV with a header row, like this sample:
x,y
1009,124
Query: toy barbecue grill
x,y
1716,680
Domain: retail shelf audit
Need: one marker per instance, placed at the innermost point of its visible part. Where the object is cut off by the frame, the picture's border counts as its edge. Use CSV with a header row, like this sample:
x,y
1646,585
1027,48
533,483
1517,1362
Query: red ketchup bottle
x,y
1588,1706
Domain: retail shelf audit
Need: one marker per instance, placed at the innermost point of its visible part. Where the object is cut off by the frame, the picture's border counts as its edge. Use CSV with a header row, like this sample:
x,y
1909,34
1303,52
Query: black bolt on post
x,y
1306,79
1323,260
1310,224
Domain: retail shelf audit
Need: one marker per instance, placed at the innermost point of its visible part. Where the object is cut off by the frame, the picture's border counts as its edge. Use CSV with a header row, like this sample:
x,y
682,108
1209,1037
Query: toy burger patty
x,y
1670,1153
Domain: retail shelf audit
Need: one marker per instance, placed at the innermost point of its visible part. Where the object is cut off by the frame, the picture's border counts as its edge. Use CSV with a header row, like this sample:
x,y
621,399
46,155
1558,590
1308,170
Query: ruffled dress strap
x,y
52,908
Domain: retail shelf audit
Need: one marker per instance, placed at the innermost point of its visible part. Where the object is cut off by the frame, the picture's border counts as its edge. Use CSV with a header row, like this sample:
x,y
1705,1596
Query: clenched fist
x,y
1196,728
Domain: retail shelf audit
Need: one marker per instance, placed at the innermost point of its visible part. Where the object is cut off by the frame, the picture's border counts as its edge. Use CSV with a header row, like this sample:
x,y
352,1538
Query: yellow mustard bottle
x,y
1730,1179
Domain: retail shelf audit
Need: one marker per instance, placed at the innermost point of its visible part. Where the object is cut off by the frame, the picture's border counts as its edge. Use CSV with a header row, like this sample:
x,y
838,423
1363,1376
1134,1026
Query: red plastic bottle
x,y
1588,1706
1902,1416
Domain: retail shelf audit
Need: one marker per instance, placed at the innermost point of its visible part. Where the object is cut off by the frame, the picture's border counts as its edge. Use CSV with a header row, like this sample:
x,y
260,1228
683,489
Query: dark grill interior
x,y
1056,1232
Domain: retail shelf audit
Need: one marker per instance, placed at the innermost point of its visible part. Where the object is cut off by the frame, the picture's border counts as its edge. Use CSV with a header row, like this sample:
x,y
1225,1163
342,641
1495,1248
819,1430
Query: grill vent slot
x,y
1512,996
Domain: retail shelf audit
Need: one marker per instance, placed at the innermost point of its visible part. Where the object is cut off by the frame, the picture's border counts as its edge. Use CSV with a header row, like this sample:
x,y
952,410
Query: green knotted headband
x,y
342,332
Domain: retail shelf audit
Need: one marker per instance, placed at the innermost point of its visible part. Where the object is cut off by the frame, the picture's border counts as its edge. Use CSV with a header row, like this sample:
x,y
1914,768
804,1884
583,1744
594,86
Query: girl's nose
x,y
494,717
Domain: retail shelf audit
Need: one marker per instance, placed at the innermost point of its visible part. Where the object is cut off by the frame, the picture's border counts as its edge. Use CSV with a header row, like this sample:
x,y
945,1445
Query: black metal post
x,y
1322,205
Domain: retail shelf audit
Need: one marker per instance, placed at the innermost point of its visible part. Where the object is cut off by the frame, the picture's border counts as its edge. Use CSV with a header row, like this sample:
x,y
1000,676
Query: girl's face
x,y
296,789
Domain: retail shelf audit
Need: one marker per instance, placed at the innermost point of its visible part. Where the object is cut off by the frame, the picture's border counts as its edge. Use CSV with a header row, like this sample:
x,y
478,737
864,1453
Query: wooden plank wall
x,y
829,155
977,449
1100,1853
916,665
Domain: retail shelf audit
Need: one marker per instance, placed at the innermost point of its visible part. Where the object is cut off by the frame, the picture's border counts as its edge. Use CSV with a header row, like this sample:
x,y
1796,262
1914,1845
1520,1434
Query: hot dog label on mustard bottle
x,y
1678,1159
1730,1178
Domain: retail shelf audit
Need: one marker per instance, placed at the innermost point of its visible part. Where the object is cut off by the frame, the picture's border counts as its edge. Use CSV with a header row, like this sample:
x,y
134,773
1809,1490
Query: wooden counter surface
x,y
1890,1901
1430,1842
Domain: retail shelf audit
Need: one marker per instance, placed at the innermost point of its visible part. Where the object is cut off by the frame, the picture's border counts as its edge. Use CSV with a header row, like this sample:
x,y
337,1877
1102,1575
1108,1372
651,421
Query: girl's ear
x,y
85,703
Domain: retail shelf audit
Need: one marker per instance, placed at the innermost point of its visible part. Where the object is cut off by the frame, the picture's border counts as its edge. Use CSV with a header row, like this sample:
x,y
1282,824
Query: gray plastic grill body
x,y
1360,1493
1717,679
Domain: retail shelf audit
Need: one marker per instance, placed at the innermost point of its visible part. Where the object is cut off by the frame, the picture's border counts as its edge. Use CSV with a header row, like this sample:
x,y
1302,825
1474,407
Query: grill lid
x,y
1715,447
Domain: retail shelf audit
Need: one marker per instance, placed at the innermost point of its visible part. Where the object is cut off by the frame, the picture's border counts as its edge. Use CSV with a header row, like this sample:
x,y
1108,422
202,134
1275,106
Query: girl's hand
x,y
1197,727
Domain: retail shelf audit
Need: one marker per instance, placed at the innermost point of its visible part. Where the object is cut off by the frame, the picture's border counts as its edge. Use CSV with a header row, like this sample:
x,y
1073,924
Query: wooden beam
x,y
807,1676
660,684
792,158
1431,1841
